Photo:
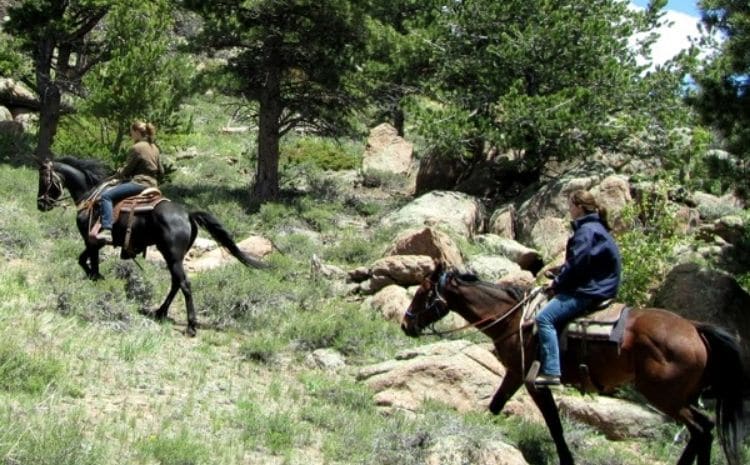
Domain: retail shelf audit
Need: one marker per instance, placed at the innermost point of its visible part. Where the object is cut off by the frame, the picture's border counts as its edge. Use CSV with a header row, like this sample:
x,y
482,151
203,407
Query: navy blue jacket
x,y
592,261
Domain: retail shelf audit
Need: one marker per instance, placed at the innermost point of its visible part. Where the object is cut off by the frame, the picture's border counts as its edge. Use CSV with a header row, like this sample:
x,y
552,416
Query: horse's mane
x,y
93,170
514,292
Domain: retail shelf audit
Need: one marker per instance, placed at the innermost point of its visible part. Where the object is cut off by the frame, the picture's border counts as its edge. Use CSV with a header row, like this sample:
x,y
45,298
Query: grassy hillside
x,y
84,379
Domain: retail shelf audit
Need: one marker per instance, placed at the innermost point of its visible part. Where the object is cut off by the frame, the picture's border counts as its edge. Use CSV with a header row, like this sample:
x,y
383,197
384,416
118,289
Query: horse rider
x,y
141,170
590,274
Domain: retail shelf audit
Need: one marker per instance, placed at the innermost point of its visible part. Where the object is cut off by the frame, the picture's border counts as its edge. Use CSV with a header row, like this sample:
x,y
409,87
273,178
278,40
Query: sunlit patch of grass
x,y
135,345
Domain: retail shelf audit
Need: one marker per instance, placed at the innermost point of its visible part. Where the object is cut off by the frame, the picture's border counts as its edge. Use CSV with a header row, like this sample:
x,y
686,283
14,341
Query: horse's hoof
x,y
147,312
190,331
153,314
96,277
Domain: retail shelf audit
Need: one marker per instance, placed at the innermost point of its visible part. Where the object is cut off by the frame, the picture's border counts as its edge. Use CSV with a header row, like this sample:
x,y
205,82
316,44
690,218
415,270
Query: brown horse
x,y
670,360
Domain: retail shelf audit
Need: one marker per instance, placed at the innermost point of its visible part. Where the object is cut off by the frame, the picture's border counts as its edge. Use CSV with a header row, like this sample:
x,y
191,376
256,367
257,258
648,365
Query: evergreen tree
x,y
290,57
722,97
400,55
552,79
144,77
57,35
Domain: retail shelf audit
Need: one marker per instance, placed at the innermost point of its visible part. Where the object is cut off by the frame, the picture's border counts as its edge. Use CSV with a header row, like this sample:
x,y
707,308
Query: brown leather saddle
x,y
144,202
607,323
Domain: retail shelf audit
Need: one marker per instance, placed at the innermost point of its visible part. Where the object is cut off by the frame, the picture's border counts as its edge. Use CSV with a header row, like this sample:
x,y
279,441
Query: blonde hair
x,y
587,202
146,130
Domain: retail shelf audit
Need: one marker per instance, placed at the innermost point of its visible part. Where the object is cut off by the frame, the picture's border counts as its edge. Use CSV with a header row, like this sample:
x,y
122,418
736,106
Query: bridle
x,y
52,182
436,303
438,307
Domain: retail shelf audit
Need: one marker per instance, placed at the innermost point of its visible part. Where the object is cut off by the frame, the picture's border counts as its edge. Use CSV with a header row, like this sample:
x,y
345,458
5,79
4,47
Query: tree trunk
x,y
266,186
49,100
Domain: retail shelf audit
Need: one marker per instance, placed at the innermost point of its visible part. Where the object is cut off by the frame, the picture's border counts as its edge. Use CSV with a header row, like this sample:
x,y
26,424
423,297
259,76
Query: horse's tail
x,y
726,375
222,236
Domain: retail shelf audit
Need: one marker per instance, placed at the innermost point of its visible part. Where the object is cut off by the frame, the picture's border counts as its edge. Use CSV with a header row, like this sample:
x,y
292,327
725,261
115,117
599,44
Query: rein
x,y
493,320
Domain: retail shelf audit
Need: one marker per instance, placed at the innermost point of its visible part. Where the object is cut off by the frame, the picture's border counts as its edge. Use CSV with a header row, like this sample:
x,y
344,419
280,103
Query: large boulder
x,y
427,241
5,114
542,218
492,267
386,151
502,222
616,419
391,302
404,270
206,254
457,212
457,373
712,207
526,258
712,296
454,448
15,94
437,172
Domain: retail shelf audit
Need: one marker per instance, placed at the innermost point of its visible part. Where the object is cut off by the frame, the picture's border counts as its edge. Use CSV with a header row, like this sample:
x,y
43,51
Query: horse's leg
x,y
699,445
179,282
546,404
89,261
510,384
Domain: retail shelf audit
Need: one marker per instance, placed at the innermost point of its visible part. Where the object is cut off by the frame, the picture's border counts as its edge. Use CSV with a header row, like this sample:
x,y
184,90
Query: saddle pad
x,y
599,325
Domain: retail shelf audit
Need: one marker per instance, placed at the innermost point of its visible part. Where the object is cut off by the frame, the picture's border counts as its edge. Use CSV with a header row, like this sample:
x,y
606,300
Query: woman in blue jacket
x,y
590,274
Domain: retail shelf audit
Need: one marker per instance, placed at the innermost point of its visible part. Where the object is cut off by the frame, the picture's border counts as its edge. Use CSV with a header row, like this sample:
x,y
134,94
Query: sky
x,y
684,17
689,7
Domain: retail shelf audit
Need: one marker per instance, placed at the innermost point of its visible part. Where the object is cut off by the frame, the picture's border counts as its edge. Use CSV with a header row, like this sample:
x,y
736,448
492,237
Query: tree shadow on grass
x,y
202,196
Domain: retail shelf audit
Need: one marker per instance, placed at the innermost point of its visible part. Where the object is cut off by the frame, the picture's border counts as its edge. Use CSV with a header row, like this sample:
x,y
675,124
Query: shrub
x,y
323,153
647,246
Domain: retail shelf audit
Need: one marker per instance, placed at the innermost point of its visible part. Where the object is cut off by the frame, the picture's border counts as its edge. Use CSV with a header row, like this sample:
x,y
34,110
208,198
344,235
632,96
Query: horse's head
x,y
50,186
428,304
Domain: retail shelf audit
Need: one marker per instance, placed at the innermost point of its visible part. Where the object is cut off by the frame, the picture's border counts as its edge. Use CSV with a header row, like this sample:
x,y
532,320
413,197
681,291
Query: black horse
x,y
169,226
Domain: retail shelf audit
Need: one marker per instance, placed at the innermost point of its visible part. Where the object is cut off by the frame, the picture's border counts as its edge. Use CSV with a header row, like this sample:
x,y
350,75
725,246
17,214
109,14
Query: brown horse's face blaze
x,y
426,307
49,190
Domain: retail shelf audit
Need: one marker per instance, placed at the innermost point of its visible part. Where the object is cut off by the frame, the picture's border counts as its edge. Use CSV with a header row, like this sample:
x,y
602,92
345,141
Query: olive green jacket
x,y
143,165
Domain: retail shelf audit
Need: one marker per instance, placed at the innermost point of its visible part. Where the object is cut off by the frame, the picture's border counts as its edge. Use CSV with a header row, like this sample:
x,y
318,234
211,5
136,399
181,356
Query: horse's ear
x,y
439,265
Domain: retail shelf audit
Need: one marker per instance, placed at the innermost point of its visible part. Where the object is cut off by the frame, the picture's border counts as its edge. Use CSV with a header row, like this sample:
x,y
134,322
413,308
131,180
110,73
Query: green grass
x,y
46,440
86,379
182,448
30,371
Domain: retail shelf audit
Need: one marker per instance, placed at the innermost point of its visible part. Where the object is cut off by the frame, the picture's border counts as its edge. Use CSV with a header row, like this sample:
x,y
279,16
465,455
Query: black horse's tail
x,y
221,235
726,375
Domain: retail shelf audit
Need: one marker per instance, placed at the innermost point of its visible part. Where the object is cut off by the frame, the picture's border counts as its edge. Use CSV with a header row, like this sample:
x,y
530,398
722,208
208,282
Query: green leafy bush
x,y
320,152
647,245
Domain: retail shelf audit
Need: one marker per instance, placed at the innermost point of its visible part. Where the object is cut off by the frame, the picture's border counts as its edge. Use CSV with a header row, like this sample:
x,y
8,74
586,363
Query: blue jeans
x,y
114,195
558,312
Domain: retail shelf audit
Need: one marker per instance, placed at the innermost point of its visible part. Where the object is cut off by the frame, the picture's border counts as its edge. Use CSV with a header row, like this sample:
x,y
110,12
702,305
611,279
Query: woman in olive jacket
x,y
140,172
